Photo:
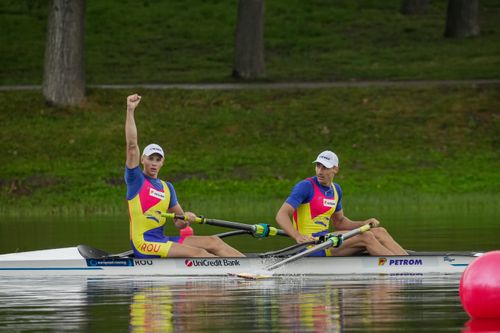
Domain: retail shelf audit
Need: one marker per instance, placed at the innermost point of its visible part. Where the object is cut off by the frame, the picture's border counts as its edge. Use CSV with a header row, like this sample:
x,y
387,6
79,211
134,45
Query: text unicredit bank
x,y
213,262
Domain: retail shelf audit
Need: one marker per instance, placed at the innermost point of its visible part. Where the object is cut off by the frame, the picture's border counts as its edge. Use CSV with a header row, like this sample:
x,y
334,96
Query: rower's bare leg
x,y
366,240
344,250
214,245
182,250
386,240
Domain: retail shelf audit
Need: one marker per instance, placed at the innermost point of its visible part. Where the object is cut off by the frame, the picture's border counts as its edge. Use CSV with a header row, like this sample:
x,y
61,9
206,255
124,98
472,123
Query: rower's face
x,y
152,164
325,175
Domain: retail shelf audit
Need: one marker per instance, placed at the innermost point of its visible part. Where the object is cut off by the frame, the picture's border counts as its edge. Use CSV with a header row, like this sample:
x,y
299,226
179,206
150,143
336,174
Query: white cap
x,y
328,158
153,149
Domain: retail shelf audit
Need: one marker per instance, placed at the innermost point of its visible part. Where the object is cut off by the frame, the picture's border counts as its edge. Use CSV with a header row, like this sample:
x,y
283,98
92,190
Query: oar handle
x,y
260,230
199,219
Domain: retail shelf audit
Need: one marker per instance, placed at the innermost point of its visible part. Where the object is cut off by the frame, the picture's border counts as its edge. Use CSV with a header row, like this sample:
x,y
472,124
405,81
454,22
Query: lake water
x,y
294,304
334,304
443,223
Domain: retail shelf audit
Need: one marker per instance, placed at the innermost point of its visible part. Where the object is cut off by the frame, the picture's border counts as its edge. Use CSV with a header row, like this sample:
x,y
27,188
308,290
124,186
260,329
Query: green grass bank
x,y
153,41
249,147
234,149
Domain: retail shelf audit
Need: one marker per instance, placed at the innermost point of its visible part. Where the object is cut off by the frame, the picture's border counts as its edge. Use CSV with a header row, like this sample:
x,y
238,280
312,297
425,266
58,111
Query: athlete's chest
x,y
155,193
324,198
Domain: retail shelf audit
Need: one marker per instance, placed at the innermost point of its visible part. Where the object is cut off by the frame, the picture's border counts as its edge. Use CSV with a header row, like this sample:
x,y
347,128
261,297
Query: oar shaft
x,y
295,248
328,243
252,228
229,224
305,253
219,223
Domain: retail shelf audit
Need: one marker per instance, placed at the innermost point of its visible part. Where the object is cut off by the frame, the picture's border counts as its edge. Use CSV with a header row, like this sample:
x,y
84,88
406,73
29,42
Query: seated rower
x,y
316,202
146,193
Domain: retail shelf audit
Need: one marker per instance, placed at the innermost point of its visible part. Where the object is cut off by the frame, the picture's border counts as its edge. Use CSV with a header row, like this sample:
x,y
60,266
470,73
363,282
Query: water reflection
x,y
152,309
482,326
42,305
186,304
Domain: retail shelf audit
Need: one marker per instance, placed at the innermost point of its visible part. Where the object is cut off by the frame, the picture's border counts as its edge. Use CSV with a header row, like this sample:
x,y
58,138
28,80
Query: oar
x,y
257,230
288,250
332,240
232,233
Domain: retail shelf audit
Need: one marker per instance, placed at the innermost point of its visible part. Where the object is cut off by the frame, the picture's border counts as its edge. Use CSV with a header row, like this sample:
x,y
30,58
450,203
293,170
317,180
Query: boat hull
x,y
69,261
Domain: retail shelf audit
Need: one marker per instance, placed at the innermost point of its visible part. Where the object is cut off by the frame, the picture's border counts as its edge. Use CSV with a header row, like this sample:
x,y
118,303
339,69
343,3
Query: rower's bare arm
x,y
284,221
342,222
133,152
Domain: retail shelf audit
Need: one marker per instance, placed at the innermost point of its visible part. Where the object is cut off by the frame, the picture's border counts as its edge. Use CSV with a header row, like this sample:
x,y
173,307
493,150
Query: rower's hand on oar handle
x,y
374,223
190,217
336,239
304,239
182,221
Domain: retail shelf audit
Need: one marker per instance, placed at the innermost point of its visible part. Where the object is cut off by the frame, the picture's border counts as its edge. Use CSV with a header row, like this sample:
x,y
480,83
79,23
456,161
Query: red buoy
x,y
480,286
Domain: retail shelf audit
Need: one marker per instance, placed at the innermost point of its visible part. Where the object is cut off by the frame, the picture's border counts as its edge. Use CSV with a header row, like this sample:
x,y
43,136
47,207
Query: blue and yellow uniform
x,y
145,196
314,205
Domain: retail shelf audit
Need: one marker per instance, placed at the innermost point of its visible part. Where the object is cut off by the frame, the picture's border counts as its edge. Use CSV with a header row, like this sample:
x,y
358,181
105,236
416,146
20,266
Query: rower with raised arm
x,y
147,194
316,203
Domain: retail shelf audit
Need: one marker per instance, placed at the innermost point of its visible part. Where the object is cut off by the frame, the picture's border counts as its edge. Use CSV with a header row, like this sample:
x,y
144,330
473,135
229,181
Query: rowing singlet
x,y
313,218
146,224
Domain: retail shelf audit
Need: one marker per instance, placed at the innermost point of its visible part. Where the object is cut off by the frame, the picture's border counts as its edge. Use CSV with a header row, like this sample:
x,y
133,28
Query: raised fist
x,y
133,101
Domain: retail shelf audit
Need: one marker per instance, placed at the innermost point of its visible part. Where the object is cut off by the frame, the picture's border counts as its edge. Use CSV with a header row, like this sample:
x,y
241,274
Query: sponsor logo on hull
x,y
211,262
109,262
400,262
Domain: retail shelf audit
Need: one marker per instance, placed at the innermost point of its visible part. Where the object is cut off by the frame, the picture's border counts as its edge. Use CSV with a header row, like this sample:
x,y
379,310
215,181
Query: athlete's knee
x,y
381,233
199,252
216,239
367,237
379,230
214,242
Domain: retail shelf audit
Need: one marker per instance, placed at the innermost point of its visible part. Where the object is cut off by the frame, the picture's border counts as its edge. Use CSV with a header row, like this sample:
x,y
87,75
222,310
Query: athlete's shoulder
x,y
305,184
302,192
133,175
169,185
134,178
135,169
173,195
338,188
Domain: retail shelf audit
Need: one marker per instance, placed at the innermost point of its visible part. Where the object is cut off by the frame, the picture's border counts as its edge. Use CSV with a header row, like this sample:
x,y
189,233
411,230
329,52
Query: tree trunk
x,y
462,19
414,7
249,53
64,68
